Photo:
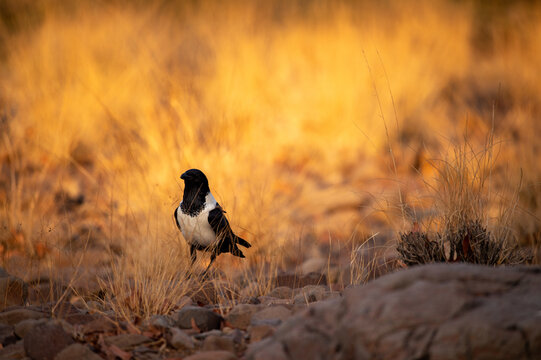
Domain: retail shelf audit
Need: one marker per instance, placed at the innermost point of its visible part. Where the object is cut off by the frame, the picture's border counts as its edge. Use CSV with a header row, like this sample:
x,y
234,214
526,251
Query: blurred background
x,y
319,124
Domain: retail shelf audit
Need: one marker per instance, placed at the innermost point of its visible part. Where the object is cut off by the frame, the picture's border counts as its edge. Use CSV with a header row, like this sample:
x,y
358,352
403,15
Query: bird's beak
x,y
183,176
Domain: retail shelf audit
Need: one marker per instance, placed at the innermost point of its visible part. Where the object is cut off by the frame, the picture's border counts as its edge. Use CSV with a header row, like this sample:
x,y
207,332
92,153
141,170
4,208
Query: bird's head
x,y
194,177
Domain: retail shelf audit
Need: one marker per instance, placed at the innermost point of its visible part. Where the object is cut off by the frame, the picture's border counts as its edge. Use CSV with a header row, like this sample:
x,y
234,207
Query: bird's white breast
x,y
196,229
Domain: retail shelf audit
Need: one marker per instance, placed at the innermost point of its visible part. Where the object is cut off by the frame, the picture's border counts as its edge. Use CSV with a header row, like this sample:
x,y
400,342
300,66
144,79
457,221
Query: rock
x,y
13,291
69,328
281,292
314,265
45,341
214,342
206,294
145,353
272,313
127,341
238,337
204,318
15,316
269,301
271,350
160,322
7,335
14,351
269,322
77,351
438,311
179,339
251,290
240,316
79,319
99,325
313,293
23,327
204,335
228,330
260,332
184,301
212,355
294,280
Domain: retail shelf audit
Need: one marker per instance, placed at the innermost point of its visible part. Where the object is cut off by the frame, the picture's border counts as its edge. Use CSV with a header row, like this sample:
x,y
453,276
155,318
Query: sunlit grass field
x,y
321,126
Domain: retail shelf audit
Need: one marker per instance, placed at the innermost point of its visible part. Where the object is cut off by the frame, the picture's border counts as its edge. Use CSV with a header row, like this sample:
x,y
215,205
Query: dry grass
x,y
104,104
152,282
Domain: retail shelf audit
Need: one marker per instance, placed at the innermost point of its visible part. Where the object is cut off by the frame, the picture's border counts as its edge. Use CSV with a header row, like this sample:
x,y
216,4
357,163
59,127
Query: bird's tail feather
x,y
242,242
236,251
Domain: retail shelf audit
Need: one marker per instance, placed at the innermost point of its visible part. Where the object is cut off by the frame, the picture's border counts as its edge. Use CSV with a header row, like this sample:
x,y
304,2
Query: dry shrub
x,y
469,243
465,198
416,248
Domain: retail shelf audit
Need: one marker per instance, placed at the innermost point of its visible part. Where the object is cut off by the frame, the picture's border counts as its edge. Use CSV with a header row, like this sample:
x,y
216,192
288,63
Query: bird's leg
x,y
193,254
193,257
212,258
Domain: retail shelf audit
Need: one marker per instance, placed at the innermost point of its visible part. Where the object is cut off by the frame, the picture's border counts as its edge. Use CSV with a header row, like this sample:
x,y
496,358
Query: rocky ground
x,y
426,312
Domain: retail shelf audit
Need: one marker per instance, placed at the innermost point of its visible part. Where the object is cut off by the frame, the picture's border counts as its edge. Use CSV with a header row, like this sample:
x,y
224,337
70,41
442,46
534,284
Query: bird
x,y
202,222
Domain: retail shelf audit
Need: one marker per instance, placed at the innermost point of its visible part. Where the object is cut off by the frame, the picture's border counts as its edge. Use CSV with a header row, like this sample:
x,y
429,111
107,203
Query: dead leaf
x,y
133,329
152,333
113,351
118,352
194,325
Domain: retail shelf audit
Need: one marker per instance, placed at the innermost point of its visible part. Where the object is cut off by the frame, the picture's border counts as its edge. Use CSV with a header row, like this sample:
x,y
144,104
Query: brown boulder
x,y
215,342
99,325
77,351
280,313
281,292
438,311
212,355
179,339
23,327
160,322
15,316
313,293
205,294
127,341
14,351
7,334
240,316
260,332
45,341
205,319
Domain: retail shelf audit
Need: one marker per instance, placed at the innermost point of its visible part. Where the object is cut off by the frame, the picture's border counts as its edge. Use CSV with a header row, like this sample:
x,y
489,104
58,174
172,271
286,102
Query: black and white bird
x,y
202,221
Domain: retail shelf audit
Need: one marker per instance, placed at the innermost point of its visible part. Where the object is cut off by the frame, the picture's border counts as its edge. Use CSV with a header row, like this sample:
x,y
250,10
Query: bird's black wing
x,y
176,218
227,240
218,222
